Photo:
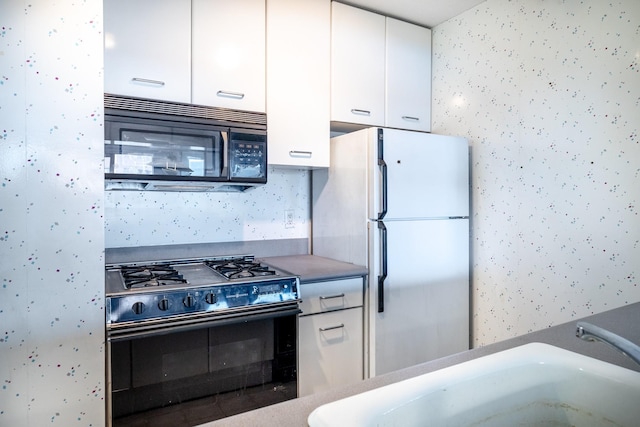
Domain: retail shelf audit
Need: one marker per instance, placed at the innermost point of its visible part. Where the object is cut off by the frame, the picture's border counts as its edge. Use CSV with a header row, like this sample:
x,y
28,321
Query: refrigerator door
x,y
420,175
426,292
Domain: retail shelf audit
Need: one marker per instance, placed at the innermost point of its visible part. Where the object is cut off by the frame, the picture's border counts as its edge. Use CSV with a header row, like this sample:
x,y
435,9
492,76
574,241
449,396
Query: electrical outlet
x,y
289,218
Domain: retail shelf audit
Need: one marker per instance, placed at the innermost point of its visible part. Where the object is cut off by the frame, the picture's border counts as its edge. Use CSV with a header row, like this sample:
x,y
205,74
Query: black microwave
x,y
164,152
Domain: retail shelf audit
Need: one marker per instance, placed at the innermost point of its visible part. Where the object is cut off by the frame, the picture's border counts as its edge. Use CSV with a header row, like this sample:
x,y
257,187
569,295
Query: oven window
x,y
196,376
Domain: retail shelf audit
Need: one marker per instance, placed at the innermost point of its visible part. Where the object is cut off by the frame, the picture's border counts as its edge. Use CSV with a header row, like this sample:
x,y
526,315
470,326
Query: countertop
x,y
624,321
312,268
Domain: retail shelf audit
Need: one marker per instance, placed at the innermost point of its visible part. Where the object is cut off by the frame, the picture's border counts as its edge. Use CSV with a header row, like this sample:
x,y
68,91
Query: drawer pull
x,y
148,81
329,328
360,112
227,94
297,153
332,296
411,119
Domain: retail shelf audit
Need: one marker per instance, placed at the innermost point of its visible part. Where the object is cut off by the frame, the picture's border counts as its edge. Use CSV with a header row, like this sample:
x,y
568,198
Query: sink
x,y
534,384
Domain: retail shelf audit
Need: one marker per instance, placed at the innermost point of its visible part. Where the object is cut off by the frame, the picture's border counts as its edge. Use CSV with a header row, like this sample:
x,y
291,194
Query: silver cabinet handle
x,y
148,81
226,94
361,112
297,153
411,119
329,328
332,296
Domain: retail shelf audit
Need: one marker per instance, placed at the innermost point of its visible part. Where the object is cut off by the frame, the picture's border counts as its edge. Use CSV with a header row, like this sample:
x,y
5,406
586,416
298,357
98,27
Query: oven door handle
x,y
167,326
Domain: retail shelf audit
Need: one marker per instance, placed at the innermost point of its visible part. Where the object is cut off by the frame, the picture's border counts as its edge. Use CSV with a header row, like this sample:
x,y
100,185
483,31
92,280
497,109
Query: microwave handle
x,y
226,140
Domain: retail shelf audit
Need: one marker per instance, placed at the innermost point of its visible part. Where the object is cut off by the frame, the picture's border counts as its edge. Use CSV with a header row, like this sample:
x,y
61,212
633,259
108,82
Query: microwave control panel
x,y
248,159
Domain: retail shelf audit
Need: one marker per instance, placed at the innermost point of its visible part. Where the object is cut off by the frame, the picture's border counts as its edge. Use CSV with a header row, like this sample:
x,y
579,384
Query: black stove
x,y
154,292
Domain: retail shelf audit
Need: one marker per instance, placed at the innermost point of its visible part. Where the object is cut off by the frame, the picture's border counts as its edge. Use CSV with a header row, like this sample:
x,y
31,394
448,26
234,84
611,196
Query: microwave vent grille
x,y
184,110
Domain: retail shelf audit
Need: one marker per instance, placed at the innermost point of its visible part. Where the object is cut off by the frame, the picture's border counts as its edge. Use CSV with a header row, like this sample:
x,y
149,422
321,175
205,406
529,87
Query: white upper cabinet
x,y
148,49
357,65
408,76
380,70
298,82
228,67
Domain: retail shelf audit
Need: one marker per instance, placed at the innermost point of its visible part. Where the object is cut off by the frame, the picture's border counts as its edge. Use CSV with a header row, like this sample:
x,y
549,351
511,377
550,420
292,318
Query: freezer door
x,y
420,175
426,293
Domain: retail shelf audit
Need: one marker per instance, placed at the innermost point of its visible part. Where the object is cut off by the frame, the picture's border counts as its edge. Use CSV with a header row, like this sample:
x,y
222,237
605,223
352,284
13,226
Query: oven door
x,y
191,374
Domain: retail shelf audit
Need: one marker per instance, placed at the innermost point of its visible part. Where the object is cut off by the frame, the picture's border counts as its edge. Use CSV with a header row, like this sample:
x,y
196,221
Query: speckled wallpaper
x,y
160,218
51,214
548,92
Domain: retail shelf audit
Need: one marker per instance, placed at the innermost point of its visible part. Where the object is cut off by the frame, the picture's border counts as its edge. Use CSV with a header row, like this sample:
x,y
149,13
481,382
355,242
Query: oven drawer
x,y
320,297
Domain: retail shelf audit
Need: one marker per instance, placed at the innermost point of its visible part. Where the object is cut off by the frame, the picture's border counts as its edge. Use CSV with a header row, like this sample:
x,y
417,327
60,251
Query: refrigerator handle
x,y
383,275
383,167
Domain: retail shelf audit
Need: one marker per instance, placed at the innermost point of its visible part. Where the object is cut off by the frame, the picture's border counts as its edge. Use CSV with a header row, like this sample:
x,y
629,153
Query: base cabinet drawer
x,y
333,295
330,350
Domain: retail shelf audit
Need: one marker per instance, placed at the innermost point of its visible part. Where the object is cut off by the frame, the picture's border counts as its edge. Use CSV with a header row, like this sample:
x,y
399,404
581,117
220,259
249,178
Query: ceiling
x,y
428,13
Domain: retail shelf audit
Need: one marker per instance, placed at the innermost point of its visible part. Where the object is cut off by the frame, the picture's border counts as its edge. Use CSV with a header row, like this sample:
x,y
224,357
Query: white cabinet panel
x,y
357,65
408,76
228,67
331,334
330,350
148,48
298,82
334,295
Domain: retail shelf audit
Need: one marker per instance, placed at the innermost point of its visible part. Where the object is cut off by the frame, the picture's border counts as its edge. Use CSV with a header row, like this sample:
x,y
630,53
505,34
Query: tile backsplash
x,y
134,218
548,93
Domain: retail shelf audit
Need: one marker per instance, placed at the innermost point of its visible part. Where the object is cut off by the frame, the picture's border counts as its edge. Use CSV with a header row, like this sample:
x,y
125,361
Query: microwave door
x,y
166,152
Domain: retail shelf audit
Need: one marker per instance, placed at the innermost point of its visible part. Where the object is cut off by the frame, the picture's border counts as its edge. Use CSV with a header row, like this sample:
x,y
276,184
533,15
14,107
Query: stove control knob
x,y
138,307
189,301
211,298
164,304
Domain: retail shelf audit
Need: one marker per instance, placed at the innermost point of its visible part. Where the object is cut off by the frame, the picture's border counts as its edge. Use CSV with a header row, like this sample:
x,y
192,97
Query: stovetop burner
x,y
151,275
240,268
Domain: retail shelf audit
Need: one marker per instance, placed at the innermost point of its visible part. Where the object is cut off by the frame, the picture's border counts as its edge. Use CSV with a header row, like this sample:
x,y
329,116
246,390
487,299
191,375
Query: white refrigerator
x,y
398,202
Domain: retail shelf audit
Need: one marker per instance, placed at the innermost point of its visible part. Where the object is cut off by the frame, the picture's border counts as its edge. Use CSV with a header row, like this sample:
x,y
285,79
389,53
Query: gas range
x,y
148,294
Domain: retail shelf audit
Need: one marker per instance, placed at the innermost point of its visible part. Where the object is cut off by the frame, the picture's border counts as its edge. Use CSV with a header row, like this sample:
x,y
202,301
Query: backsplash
x,y
149,218
548,94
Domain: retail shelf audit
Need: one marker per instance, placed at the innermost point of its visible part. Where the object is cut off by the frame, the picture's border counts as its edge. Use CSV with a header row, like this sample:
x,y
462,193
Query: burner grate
x,y
154,275
240,268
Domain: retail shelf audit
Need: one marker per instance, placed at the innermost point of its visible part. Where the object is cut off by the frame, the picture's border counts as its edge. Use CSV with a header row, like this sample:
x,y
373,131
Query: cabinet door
x,y
148,49
357,65
408,76
298,73
228,67
330,350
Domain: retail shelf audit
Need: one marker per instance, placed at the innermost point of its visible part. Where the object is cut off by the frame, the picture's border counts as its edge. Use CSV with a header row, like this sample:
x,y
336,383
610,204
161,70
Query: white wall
x,y
548,92
51,214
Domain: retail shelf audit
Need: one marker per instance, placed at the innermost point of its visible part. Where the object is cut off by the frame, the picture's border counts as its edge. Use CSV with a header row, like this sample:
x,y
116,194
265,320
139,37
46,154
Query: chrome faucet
x,y
589,332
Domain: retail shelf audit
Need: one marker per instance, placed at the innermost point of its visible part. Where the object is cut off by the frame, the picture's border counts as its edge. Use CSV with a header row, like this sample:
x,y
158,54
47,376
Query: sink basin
x,y
534,384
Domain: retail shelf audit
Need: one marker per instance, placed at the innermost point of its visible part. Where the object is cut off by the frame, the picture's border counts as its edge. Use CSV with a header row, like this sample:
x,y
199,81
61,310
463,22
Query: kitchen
x,y
554,209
